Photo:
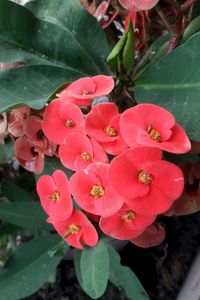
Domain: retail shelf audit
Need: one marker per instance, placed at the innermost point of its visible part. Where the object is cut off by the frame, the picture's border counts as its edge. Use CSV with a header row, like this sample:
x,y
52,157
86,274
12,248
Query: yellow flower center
x,y
72,229
129,216
86,92
86,156
110,131
144,177
97,191
70,123
55,197
154,134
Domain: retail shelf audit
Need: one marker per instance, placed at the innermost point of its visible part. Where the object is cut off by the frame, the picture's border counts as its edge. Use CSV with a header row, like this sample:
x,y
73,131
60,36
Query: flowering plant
x,y
111,137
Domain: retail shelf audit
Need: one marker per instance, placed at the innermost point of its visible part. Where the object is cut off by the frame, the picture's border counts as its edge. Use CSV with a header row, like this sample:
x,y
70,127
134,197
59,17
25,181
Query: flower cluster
x,y
123,196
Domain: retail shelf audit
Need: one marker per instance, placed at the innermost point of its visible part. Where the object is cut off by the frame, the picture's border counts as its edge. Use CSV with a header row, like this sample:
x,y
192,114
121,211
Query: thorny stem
x,y
187,4
164,20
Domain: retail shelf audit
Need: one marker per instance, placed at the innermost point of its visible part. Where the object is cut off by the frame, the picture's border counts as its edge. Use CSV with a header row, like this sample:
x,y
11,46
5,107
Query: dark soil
x,y
161,269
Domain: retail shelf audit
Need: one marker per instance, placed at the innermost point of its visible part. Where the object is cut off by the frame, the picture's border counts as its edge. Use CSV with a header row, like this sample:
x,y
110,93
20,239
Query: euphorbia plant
x,y
104,144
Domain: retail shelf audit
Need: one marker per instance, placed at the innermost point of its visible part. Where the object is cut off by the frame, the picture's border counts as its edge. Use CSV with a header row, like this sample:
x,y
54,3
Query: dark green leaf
x,y
14,193
32,85
39,41
61,50
94,269
81,29
27,214
174,83
30,266
123,277
77,265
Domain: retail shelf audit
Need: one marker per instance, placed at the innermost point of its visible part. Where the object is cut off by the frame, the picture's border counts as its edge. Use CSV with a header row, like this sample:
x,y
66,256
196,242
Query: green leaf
x,y
27,214
94,267
122,56
128,55
192,28
25,38
30,266
77,265
32,85
73,19
123,277
14,193
59,51
114,56
174,83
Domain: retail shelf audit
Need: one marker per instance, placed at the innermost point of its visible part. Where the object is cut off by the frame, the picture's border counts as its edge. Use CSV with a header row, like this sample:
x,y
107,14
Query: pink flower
x,y
152,236
29,156
125,224
77,230
92,191
148,184
79,151
135,5
16,120
54,196
61,119
84,90
153,126
102,124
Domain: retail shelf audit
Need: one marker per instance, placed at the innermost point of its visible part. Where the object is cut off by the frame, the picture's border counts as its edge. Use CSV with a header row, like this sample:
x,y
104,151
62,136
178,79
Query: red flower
x,y
61,119
153,126
152,236
79,151
148,184
125,224
16,120
92,190
102,124
135,5
54,196
28,155
77,230
84,90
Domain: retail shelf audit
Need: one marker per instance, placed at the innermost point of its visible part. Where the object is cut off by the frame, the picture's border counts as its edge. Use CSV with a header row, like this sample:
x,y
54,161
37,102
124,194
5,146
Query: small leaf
x,y
123,277
191,29
94,266
128,55
30,266
27,214
122,56
113,58
14,193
